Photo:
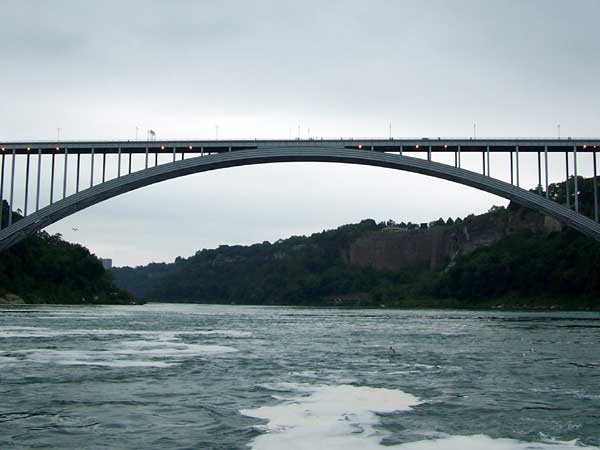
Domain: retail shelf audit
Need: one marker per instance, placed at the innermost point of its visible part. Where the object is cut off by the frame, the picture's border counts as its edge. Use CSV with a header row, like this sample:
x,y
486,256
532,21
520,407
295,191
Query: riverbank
x,y
507,303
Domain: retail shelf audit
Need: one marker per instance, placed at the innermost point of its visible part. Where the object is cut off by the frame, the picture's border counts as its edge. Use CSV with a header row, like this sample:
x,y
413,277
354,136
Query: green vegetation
x,y
521,270
298,270
498,259
46,269
517,268
564,264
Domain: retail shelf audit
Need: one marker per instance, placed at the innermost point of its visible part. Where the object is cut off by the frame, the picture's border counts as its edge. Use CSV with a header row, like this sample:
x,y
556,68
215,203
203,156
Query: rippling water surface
x,y
229,377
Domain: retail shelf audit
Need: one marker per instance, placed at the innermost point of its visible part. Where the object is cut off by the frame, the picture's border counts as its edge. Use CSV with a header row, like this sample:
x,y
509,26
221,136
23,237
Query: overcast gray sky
x,y
259,69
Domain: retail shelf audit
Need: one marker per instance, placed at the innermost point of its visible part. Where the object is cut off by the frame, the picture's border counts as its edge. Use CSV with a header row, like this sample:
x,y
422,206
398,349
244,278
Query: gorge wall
x,y
436,247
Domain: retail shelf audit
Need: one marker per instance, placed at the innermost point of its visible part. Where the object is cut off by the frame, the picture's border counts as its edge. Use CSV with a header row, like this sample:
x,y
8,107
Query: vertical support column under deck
x,y
26,202
575,187
130,154
39,177
459,163
2,189
429,153
483,162
511,168
156,158
52,178
174,150
401,149
517,165
104,166
567,193
92,168
78,167
546,168
65,173
455,159
12,188
488,160
146,164
595,185
539,187
119,165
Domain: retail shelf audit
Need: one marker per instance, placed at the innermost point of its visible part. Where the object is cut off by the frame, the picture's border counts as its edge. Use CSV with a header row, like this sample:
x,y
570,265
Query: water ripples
x,y
230,377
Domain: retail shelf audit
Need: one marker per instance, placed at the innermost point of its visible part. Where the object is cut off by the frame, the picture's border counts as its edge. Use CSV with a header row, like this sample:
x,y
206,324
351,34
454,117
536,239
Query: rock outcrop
x,y
11,299
436,247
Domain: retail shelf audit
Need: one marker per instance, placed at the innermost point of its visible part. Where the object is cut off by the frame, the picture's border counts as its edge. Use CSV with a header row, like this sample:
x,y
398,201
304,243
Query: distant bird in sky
x,y
75,229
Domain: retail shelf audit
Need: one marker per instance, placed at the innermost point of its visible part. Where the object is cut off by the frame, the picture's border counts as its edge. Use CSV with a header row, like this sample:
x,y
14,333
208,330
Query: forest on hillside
x,y
46,269
524,267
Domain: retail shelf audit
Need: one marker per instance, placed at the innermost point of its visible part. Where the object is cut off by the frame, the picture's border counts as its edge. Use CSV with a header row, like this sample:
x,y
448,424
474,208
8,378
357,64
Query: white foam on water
x,y
37,332
153,349
126,354
483,442
167,348
344,417
87,358
224,333
29,332
328,417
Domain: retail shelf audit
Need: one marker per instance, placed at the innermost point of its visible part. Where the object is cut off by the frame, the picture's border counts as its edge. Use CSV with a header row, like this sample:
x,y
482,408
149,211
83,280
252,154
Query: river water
x,y
230,377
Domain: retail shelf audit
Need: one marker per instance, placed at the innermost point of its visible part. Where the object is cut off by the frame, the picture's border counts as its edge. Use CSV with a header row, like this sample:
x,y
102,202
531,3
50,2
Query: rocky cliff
x,y
437,246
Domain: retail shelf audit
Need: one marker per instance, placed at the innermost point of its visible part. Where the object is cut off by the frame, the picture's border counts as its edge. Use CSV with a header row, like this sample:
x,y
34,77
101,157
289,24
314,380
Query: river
x,y
184,376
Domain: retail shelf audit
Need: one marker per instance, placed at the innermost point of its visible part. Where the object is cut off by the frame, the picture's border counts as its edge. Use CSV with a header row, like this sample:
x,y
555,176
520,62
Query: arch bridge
x,y
90,172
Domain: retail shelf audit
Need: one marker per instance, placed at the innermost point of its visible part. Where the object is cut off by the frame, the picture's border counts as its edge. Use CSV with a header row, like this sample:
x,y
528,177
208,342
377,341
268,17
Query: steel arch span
x,y
85,198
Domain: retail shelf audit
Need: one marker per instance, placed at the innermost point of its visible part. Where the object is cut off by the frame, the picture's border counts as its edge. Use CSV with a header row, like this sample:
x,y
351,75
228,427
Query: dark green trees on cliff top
x,y
46,269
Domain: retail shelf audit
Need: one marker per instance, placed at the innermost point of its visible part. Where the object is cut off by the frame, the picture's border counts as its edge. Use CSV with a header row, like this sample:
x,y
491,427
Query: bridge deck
x,y
380,145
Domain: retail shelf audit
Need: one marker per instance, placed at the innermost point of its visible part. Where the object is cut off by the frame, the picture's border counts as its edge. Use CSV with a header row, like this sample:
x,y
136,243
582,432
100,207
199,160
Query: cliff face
x,y
436,247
